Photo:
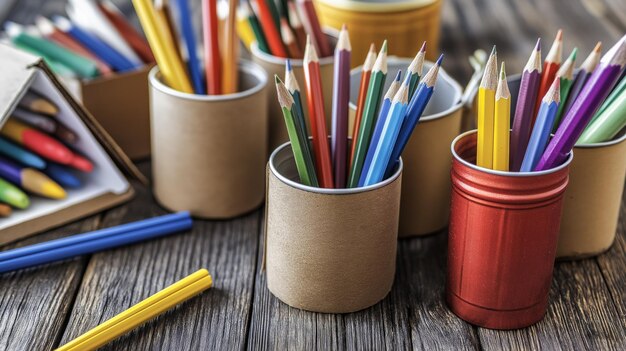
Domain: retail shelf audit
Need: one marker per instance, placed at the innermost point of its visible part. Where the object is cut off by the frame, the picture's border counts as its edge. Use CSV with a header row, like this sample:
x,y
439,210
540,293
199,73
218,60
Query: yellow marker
x,y
486,110
502,124
141,312
162,46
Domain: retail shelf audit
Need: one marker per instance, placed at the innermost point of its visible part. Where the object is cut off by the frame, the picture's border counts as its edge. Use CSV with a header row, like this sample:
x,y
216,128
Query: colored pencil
x,y
366,72
163,12
48,30
30,180
44,145
21,155
12,195
230,67
502,124
270,30
140,313
317,117
608,124
415,69
299,140
380,124
46,124
244,29
62,176
77,63
486,110
416,108
38,103
256,27
289,40
525,107
271,5
595,91
164,51
341,98
212,59
586,68
63,250
5,210
105,52
616,92
189,37
389,135
296,24
550,67
543,127
368,118
291,83
136,41
312,26
566,75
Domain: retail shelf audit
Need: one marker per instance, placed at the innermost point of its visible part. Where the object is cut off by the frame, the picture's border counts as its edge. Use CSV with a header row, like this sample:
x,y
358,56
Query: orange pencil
x,y
290,40
213,64
317,117
269,28
365,81
231,42
550,66
136,41
296,24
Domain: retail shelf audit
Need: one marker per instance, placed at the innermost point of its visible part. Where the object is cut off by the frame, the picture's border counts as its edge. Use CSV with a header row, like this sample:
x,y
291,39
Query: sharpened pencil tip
x,y
277,79
493,51
502,72
538,45
423,48
572,56
440,59
384,47
372,48
344,27
398,76
559,35
598,47
288,65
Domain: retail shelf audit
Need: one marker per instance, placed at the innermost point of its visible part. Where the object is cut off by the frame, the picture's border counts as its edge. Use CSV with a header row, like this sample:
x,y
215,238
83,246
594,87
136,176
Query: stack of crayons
x,y
588,106
383,124
96,40
219,74
280,27
36,155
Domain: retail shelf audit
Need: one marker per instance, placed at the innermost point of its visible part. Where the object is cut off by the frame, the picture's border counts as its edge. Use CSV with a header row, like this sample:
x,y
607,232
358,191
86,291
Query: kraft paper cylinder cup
x,y
426,193
276,65
404,23
329,250
209,151
503,234
593,197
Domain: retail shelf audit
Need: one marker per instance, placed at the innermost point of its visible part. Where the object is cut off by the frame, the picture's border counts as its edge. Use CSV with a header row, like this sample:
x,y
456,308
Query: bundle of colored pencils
x,y
97,40
36,155
576,106
280,27
219,74
382,128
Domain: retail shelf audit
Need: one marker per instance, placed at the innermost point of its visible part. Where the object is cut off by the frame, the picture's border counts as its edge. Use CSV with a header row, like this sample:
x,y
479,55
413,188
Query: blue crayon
x,y
21,155
63,176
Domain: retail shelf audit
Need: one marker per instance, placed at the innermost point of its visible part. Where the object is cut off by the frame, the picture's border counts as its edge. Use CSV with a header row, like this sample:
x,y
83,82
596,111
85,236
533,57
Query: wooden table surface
x,y
43,307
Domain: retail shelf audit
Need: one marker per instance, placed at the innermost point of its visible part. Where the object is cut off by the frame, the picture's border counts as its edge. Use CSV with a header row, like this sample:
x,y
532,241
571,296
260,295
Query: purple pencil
x,y
341,97
586,68
522,123
593,94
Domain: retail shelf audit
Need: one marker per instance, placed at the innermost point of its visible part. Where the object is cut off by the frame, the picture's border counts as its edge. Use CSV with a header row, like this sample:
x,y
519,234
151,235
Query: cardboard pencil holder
x,y
404,23
426,193
503,234
593,197
209,151
329,250
276,65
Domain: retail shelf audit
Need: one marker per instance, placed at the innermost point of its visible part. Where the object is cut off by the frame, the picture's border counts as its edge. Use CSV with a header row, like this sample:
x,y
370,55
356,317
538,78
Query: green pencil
x,y
12,195
256,27
566,75
617,91
608,123
274,10
370,111
415,68
291,83
299,140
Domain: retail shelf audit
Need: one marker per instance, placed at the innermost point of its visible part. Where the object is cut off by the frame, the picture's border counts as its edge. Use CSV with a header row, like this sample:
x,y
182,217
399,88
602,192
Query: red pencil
x,y
550,67
269,28
312,25
365,81
136,41
212,59
317,117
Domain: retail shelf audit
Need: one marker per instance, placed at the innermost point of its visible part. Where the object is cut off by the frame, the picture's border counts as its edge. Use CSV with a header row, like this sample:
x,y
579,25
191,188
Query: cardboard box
x,y
107,185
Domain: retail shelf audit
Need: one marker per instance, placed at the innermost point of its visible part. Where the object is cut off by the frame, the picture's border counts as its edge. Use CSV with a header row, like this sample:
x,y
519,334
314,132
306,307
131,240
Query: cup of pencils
x,y
279,33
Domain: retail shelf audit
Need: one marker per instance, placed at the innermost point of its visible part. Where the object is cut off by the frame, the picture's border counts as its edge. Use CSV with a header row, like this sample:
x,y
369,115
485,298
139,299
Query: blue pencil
x,y
89,243
542,128
380,123
418,104
193,64
21,155
63,176
101,49
389,135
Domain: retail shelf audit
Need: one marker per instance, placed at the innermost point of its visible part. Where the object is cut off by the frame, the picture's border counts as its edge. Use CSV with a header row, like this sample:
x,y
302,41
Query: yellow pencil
x,y
244,30
229,72
502,124
141,312
162,46
486,107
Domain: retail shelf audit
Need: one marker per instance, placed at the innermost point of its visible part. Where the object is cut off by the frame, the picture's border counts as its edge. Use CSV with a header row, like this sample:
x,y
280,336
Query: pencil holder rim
x,y
326,191
458,158
245,66
255,51
365,6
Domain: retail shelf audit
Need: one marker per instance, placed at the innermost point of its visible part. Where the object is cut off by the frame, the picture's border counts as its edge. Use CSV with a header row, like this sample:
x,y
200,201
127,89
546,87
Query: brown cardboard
x,y
329,250
209,152
592,199
276,65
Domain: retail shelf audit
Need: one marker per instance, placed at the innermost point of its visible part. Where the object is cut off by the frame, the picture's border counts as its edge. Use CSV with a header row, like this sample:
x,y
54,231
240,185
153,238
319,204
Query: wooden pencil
x,y
212,58
230,61
415,69
163,11
586,68
256,27
317,118
566,75
486,110
312,26
341,98
289,39
270,30
136,41
501,124
366,72
291,83
550,67
608,124
296,24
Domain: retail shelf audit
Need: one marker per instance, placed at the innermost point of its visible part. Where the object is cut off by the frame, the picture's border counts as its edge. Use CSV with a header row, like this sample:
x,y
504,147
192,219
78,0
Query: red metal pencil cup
x,y
503,235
